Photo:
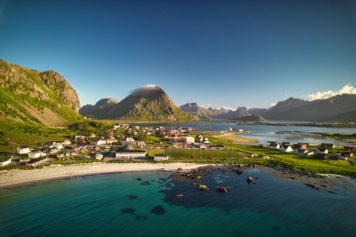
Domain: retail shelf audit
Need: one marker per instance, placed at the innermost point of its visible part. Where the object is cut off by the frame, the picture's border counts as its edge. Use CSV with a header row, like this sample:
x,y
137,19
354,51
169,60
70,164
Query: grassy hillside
x,y
14,134
35,97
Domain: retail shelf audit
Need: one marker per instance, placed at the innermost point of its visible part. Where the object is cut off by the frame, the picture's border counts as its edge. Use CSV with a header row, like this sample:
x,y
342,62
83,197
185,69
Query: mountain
x,y
340,108
251,118
97,109
201,112
148,103
219,114
36,97
275,112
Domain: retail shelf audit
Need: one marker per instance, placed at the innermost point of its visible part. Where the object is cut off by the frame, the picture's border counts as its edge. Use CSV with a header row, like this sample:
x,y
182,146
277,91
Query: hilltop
x,y
34,97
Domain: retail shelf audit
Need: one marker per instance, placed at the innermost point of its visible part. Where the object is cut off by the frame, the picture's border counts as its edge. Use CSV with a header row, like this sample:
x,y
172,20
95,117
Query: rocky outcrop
x,y
64,90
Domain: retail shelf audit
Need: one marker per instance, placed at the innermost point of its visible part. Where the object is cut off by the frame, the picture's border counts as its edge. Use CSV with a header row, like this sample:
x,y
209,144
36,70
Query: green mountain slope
x,y
149,104
35,97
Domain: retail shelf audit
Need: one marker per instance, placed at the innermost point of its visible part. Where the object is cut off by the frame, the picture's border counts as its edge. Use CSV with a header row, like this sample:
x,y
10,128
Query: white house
x,y
98,142
23,150
286,148
141,144
320,150
99,156
130,154
274,145
66,142
57,145
159,157
6,162
301,151
189,140
116,126
36,154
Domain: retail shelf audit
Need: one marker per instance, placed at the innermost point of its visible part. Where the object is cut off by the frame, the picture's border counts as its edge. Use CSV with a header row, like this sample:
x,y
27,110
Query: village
x,y
121,143
125,143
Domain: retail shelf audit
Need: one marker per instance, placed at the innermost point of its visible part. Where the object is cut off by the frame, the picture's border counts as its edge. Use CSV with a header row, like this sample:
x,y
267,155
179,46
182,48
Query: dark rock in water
x,y
221,189
239,171
128,210
131,197
249,179
312,186
145,183
139,179
158,210
203,187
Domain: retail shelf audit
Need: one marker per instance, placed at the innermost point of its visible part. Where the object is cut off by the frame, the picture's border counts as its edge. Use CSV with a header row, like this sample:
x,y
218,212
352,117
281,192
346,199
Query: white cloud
x,y
272,104
322,95
227,108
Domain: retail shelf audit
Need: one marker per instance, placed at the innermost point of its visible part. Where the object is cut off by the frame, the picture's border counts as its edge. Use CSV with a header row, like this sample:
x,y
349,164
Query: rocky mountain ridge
x,y
147,104
32,96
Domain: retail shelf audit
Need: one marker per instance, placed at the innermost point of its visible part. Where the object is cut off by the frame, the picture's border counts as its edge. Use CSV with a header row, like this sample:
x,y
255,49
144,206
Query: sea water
x,y
146,204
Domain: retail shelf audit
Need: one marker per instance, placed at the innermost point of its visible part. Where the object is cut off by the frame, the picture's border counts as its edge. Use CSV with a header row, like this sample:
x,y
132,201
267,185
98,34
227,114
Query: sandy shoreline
x,y
235,138
15,177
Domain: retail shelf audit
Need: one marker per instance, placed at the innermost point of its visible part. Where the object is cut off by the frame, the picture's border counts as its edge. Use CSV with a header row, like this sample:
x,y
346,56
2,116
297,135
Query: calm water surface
x,y
264,133
145,204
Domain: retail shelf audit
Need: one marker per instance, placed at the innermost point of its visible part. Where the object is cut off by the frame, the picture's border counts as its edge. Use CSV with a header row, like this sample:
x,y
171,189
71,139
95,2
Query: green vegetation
x,y
251,118
14,134
338,135
38,98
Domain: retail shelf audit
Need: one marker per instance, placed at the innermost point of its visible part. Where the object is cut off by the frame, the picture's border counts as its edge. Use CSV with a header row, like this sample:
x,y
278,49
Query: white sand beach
x,y
14,177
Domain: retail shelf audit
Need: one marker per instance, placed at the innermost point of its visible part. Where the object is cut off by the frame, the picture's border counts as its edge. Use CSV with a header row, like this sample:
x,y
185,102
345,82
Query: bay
x,y
146,204
265,133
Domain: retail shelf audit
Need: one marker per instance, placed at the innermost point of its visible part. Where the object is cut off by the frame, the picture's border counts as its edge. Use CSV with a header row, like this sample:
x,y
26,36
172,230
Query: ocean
x,y
146,204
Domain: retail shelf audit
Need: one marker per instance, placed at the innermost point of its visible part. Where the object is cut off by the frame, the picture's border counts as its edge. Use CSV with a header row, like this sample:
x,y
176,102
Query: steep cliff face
x,y
36,97
59,85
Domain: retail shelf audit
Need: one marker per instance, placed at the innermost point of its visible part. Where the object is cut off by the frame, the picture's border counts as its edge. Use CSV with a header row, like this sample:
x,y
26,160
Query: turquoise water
x,y
145,204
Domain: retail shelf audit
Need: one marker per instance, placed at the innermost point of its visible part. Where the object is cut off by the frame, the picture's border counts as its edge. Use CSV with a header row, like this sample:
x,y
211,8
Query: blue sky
x,y
221,53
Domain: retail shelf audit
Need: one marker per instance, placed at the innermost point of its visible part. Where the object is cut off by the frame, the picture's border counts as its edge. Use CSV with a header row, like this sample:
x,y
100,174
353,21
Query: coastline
x,y
10,178
233,137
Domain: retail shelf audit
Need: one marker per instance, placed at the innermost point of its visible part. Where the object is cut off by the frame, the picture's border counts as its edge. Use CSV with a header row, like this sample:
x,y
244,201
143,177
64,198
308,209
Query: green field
x,y
13,135
241,154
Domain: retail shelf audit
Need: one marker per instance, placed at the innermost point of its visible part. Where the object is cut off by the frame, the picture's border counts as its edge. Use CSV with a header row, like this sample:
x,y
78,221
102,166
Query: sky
x,y
219,53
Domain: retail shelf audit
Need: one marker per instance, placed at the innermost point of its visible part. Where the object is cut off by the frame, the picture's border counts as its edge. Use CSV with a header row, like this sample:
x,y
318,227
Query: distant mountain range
x,y
31,96
340,108
201,112
148,103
